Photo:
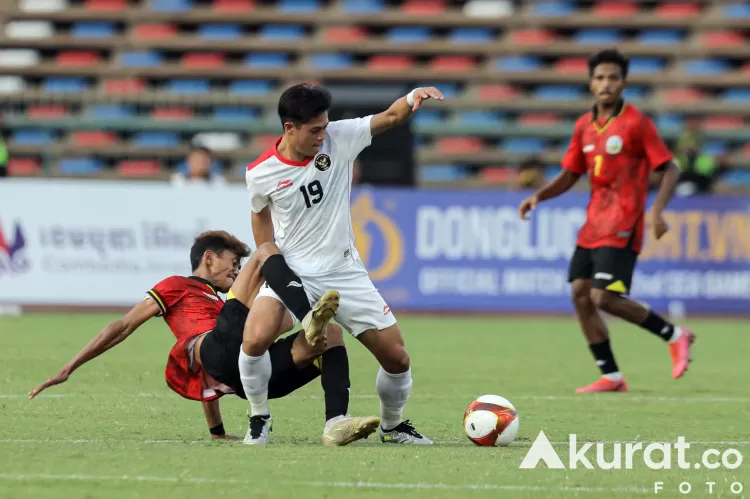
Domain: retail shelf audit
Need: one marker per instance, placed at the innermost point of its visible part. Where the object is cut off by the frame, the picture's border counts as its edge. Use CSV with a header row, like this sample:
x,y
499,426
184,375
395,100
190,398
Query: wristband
x,y
410,97
218,430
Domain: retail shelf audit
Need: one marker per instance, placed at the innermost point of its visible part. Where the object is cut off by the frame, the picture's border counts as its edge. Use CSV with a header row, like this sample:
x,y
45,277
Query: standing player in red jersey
x,y
203,364
618,147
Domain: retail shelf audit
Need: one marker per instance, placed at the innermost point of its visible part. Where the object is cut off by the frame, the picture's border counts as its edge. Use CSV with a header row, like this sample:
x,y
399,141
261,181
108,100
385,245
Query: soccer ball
x,y
491,420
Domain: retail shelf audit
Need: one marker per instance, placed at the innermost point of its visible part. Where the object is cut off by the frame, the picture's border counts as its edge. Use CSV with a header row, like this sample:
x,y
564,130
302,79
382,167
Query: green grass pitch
x,y
114,430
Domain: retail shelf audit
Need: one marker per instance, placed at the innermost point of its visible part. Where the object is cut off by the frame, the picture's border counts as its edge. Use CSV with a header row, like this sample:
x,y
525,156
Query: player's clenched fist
x,y
659,225
419,94
526,206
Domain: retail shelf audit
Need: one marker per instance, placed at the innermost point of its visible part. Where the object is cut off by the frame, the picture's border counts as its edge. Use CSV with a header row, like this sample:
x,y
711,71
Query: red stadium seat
x,y
497,174
172,113
497,92
746,150
347,34
154,31
138,168
614,9
264,141
539,119
46,111
572,65
453,63
723,123
423,7
532,37
77,58
746,68
106,5
24,166
390,62
233,5
93,138
683,95
678,10
454,145
124,86
205,60
722,39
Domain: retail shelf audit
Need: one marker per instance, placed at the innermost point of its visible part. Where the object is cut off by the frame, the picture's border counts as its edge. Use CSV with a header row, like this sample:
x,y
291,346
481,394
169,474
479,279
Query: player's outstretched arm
x,y
262,226
670,175
562,183
108,337
400,111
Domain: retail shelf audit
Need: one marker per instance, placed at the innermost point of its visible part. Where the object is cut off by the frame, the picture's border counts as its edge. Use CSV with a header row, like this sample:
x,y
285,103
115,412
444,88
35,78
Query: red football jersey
x,y
618,156
190,306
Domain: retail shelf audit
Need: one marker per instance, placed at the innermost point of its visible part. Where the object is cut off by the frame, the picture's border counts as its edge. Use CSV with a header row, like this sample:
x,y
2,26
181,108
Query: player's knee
x,y
398,361
335,336
580,293
257,340
266,250
603,299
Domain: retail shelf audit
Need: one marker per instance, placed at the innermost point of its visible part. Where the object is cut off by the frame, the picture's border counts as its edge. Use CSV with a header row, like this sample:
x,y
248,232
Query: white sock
x,y
676,334
255,372
393,390
615,376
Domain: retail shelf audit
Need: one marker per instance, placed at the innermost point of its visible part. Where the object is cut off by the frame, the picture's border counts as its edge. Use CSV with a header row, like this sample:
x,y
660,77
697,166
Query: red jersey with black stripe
x,y
618,155
190,307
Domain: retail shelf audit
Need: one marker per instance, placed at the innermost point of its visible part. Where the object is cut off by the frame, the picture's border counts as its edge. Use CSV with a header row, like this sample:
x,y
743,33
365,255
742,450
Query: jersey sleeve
x,y
656,151
574,160
166,294
351,136
258,197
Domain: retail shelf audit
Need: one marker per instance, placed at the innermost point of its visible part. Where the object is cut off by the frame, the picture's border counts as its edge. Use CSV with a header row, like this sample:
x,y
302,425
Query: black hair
x,y
609,56
203,149
301,103
216,241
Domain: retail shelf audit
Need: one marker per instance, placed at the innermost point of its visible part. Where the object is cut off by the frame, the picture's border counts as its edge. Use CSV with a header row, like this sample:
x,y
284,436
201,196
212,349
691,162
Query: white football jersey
x,y
309,201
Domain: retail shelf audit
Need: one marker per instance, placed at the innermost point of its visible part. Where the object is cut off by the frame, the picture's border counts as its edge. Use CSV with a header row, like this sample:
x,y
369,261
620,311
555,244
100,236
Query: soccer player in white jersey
x,y
299,191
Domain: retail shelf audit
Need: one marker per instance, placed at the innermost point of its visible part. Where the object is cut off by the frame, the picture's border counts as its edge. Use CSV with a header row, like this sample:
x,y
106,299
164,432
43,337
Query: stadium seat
x,y
138,168
553,9
634,93
520,64
669,122
598,37
523,145
218,141
47,111
573,65
286,32
423,7
171,5
267,60
739,10
472,35
19,58
43,5
449,90
106,5
497,175
455,63
646,65
737,95
722,39
64,84
672,10
80,166
234,114
427,117
234,6
111,112
737,177
363,6
408,35
558,92
154,31
11,84
745,69
723,123
532,37
77,58
497,92
331,61
250,87
348,34
442,173
141,59
459,145
263,142
124,86
171,113
93,30
32,137
156,139
29,29
682,95
469,118
488,8
219,31
715,148
746,150
93,138
203,60
24,166
189,86
660,37
538,119
606,8
706,66
296,6
389,62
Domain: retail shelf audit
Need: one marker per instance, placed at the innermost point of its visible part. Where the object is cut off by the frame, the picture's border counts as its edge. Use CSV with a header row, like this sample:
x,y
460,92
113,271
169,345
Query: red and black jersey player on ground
x,y
618,147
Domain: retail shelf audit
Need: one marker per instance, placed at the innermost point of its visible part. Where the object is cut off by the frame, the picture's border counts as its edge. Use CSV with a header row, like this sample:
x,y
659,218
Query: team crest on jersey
x,y
323,162
614,144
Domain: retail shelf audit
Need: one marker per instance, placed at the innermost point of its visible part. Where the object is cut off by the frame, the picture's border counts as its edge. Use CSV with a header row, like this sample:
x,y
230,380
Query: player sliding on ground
x,y
203,364
618,147
299,190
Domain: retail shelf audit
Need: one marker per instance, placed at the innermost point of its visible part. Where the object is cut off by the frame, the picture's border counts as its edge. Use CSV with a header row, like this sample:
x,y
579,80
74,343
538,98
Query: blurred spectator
x,y
530,174
699,171
198,169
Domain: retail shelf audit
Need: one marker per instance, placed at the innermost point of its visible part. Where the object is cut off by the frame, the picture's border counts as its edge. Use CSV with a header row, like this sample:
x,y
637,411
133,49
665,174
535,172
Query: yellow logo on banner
x,y
365,219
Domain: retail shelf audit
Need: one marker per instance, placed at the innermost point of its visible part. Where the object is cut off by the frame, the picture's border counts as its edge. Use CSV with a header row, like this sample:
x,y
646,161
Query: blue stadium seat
x,y
156,139
267,60
598,36
737,10
171,5
670,121
250,87
363,6
189,86
471,35
706,66
220,31
660,37
552,172
737,177
558,92
93,30
523,145
715,147
235,114
519,64
80,166
481,118
298,5
553,9
409,35
331,61
427,117
64,84
447,89
646,65
634,93
145,58
443,173
112,111
737,95
281,32
31,137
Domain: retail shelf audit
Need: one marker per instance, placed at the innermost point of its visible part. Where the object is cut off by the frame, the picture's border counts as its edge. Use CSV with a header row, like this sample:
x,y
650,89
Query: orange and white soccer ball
x,y
491,420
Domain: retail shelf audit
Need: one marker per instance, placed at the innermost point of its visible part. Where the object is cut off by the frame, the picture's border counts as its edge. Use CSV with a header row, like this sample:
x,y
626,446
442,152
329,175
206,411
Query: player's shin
x,y
334,376
287,285
255,373
393,390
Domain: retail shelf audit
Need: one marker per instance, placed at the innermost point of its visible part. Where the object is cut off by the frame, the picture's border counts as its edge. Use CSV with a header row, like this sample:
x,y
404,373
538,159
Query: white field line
x,y
341,485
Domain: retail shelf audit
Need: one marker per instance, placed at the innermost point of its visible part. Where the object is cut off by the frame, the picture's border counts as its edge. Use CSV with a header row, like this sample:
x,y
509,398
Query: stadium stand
x,y
134,82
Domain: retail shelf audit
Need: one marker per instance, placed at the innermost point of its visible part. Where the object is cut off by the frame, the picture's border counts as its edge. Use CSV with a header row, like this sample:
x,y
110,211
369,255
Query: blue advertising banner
x,y
469,251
